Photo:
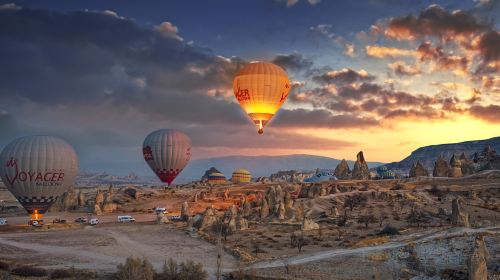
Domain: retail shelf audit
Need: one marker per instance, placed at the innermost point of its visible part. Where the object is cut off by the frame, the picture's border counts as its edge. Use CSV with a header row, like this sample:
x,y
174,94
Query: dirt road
x,y
104,247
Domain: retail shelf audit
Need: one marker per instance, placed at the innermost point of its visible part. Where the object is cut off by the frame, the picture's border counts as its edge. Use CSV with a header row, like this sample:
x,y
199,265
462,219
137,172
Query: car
x,y
58,221
35,223
160,210
94,221
3,222
126,219
175,218
81,220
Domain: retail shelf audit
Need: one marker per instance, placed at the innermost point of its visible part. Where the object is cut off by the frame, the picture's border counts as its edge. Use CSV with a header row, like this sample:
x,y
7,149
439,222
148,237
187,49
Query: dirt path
x,y
418,237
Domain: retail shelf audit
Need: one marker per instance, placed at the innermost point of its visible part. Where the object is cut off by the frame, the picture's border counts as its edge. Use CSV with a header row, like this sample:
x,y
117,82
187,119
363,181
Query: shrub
x,y
135,268
4,266
61,274
388,230
179,271
29,271
5,275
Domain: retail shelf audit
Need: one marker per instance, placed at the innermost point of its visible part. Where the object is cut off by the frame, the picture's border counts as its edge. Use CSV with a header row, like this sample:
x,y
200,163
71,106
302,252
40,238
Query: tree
x,y
355,200
299,241
381,218
367,219
418,217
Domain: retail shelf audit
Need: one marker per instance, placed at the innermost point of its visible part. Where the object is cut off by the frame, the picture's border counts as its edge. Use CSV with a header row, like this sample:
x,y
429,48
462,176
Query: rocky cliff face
x,y
429,154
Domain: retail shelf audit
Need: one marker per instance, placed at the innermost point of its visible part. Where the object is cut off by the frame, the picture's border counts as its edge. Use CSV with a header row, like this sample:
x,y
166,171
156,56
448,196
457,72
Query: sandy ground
x,y
105,246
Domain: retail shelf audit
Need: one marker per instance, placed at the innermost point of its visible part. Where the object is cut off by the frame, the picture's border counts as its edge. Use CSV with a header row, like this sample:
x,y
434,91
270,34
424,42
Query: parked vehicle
x,y
3,222
175,218
125,219
81,220
159,210
58,221
36,223
94,221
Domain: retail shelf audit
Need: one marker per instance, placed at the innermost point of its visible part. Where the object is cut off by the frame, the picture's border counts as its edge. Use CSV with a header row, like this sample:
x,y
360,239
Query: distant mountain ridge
x,y
261,165
428,154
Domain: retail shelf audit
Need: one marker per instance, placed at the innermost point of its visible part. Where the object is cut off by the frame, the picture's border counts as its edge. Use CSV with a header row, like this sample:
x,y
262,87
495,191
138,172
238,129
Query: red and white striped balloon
x,y
167,152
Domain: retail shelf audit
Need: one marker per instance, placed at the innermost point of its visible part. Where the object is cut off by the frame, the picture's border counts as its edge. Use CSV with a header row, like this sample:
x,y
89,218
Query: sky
x,y
382,76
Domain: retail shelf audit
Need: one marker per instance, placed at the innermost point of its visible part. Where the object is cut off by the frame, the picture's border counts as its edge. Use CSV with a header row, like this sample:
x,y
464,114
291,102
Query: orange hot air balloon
x,y
261,88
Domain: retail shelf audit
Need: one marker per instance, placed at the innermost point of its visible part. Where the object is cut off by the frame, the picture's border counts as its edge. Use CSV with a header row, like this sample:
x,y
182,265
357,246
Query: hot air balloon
x,y
37,170
241,176
261,88
216,178
167,152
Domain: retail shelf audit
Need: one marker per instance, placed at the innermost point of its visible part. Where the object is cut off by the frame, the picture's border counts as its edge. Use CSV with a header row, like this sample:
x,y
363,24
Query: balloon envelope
x,y
261,88
167,152
37,170
241,176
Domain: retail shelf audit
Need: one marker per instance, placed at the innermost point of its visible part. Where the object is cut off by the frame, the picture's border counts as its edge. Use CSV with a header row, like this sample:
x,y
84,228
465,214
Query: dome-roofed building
x,y
384,173
241,176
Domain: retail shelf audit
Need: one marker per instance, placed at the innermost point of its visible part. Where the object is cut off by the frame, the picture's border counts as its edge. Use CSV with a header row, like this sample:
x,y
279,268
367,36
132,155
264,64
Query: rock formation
x,y
264,209
342,171
467,165
309,224
241,223
487,159
209,218
455,167
81,199
418,169
441,168
476,265
281,211
360,170
67,201
299,211
458,215
246,209
185,212
109,207
97,210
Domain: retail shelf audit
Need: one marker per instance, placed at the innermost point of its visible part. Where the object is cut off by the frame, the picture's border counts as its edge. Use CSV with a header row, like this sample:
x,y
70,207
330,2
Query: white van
x,y
94,221
125,219
161,210
3,222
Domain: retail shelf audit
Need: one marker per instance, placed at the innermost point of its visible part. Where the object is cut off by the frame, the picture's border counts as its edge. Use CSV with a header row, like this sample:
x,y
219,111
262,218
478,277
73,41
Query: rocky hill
x,y
427,155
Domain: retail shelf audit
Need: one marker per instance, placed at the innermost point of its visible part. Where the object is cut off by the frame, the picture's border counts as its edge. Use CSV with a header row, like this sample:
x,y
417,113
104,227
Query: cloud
x,y
291,3
104,82
320,118
344,76
169,30
457,64
381,51
490,113
401,68
349,50
487,45
434,21
294,62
